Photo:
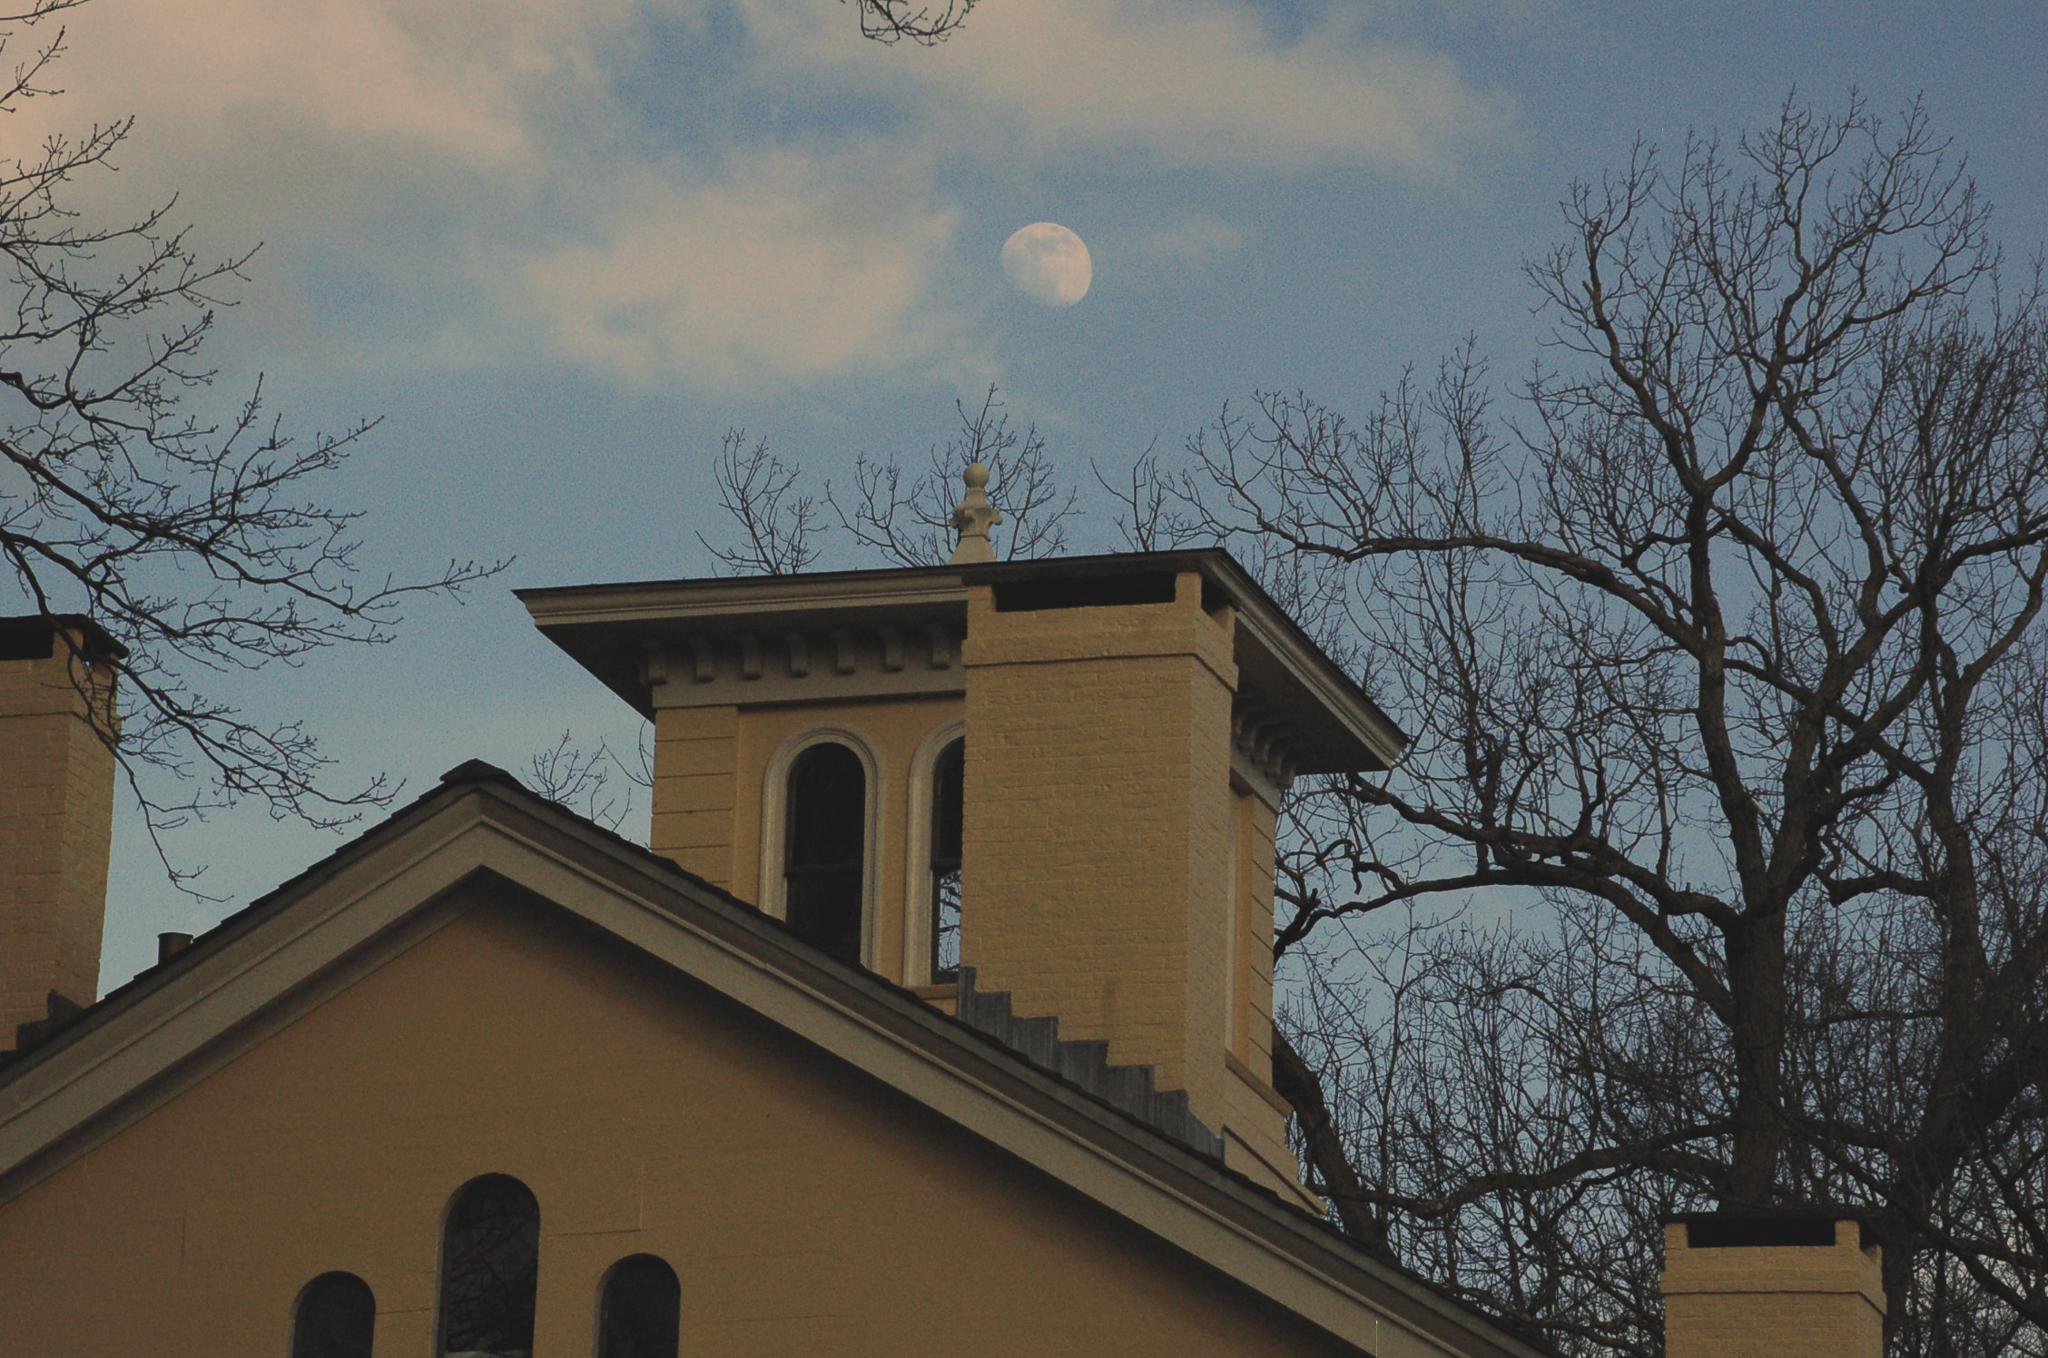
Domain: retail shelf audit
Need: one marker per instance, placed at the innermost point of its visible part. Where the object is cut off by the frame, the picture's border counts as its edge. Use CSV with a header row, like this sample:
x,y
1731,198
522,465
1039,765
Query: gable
x,y
480,839
806,1206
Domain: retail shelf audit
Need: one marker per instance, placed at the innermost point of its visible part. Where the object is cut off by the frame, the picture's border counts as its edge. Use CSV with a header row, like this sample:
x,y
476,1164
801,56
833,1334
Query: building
x,y
937,1018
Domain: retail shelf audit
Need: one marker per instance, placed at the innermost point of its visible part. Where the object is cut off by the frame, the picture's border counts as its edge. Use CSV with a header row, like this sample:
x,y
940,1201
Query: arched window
x,y
824,860
336,1317
949,777
490,1270
641,1310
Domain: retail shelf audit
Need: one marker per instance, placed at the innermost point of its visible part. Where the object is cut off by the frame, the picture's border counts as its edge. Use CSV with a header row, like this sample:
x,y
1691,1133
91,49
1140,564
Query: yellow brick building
x,y
936,1019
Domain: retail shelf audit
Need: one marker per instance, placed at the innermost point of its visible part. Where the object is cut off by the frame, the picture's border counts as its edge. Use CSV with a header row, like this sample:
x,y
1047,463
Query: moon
x,y
1048,264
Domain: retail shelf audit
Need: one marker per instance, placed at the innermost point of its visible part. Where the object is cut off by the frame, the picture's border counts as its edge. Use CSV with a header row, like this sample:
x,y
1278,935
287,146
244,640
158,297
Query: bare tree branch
x,y
197,543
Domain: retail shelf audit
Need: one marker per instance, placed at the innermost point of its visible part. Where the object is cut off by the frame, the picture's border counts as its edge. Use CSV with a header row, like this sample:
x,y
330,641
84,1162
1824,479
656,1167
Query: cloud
x,y
1185,82
1195,242
792,267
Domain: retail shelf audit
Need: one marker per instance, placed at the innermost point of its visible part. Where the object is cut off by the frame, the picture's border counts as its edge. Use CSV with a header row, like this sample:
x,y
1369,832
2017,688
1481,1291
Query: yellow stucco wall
x,y
806,1209
56,821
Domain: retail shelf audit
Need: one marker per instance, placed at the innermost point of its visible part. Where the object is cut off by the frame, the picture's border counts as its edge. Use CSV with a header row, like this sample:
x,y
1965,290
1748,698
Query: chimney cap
x,y
1777,1226
33,636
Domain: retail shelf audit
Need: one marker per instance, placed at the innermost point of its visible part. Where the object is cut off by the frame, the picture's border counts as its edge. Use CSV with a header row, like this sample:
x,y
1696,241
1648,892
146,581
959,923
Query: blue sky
x,y
560,247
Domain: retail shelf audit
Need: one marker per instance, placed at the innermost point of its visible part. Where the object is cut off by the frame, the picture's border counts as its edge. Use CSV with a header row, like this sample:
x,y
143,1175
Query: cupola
x,y
1062,775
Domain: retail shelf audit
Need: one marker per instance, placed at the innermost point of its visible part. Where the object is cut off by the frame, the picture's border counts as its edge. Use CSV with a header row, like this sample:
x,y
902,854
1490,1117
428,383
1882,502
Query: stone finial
x,y
973,518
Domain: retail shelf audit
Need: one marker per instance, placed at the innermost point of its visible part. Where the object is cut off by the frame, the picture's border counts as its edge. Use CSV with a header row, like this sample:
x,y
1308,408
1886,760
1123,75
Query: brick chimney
x,y
56,814
1790,1285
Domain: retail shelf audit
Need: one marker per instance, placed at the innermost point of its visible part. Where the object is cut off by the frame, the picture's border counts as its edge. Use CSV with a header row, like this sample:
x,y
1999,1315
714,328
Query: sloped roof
x,y
149,1040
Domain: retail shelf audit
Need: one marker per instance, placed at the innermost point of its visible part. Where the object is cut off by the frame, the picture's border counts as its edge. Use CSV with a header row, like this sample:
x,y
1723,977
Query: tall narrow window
x,y
490,1270
949,780
641,1311
825,859
336,1317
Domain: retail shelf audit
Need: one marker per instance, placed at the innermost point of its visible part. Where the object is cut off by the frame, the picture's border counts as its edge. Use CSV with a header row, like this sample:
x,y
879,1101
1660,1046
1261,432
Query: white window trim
x,y
775,825
917,861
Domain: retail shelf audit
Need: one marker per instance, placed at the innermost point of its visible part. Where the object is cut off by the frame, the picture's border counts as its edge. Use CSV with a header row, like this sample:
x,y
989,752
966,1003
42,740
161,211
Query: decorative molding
x,y
654,665
764,668
1263,751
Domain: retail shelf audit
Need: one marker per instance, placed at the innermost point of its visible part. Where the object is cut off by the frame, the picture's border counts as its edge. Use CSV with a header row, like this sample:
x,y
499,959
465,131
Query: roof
x,y
304,942
1320,714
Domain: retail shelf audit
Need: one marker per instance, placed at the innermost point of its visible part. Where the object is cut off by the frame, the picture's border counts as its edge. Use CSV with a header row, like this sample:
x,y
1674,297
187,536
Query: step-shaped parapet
x,y
1086,1064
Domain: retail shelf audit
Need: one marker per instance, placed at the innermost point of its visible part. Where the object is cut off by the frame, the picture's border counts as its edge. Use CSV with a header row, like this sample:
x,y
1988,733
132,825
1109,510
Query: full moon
x,y
1048,264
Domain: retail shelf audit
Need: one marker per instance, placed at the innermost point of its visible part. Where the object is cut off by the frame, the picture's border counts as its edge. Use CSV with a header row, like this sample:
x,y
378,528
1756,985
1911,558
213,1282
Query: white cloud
x,y
791,267
1189,82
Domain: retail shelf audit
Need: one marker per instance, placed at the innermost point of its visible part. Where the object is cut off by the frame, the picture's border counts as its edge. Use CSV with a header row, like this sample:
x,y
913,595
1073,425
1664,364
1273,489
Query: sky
x,y
558,248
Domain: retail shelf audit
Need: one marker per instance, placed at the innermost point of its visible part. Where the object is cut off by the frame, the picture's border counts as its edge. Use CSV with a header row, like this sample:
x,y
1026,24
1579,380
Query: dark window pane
x,y
828,795
336,1318
949,779
827,837
490,1269
641,1311
824,909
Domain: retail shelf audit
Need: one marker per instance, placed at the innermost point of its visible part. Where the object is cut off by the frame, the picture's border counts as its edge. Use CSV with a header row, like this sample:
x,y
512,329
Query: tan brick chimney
x,y
1782,1286
56,814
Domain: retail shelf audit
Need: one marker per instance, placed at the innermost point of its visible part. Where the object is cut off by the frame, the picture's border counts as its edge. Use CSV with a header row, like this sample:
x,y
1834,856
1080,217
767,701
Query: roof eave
x,y
597,624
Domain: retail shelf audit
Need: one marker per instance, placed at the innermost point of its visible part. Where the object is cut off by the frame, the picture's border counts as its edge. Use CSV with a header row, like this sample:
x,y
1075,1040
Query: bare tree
x,y
198,543
912,525
1148,515
1716,876
581,778
891,21
778,530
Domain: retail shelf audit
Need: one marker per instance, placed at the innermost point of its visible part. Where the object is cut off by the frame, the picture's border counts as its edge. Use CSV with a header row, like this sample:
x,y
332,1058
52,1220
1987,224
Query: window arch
x,y
854,944
824,866
334,1317
490,1270
931,877
640,1311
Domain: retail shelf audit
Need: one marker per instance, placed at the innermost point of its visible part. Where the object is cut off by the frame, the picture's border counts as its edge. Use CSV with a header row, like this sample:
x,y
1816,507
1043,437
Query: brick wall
x,y
1098,827
1772,1301
56,825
